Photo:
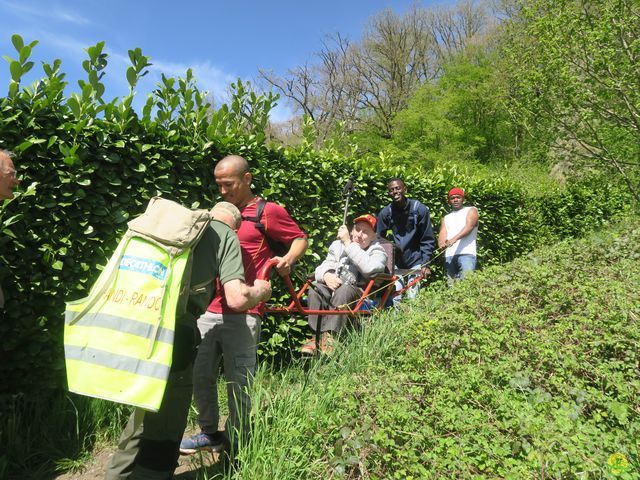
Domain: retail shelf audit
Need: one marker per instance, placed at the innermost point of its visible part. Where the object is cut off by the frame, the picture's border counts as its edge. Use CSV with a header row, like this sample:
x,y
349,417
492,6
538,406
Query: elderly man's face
x,y
8,178
363,234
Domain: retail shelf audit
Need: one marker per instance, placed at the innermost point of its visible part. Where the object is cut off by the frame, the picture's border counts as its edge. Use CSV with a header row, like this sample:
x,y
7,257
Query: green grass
x,y
41,435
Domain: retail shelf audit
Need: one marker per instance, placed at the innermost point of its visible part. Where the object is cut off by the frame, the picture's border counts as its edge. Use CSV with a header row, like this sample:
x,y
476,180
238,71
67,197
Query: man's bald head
x,y
234,180
234,163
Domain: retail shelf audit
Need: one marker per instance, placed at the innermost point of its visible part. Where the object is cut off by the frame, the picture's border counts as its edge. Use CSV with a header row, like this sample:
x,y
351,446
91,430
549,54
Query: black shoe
x,y
214,442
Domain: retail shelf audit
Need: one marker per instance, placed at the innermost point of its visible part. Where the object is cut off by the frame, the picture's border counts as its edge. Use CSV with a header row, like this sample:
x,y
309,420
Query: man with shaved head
x,y
226,333
8,180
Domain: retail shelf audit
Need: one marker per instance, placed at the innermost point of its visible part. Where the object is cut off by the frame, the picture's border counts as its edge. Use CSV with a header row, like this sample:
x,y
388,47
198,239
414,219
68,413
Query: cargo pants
x,y
234,338
148,448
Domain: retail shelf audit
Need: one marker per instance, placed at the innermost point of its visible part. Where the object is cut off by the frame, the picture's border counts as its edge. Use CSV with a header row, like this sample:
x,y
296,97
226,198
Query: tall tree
x,y
574,68
460,116
364,84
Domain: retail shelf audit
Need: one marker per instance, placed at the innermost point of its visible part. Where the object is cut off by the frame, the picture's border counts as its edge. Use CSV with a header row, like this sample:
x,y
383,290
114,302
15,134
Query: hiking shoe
x,y
214,442
327,343
309,347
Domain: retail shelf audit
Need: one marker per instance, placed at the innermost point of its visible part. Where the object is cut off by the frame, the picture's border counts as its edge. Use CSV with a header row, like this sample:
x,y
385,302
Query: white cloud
x,y
56,13
73,46
70,17
208,76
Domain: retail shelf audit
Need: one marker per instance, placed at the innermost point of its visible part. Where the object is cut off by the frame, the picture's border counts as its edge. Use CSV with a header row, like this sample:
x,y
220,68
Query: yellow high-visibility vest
x,y
119,340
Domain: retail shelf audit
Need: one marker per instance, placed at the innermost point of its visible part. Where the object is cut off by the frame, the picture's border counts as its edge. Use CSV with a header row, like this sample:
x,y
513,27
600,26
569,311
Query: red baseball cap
x,y
368,218
456,191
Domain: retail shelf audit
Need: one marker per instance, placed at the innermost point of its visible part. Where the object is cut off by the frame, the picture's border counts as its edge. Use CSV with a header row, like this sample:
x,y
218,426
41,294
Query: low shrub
x,y
526,370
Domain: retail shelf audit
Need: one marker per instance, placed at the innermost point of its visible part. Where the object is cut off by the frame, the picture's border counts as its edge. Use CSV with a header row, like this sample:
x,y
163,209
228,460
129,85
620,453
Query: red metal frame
x,y
296,307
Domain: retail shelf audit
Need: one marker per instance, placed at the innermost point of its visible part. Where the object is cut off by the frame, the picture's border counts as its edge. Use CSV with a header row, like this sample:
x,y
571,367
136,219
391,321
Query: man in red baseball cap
x,y
351,261
458,233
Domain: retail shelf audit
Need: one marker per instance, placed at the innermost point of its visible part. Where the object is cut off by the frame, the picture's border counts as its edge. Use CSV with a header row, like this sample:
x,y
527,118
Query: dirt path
x,y
187,469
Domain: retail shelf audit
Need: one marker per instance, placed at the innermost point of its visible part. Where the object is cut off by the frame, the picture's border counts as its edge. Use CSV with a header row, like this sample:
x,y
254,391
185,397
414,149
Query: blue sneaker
x,y
214,442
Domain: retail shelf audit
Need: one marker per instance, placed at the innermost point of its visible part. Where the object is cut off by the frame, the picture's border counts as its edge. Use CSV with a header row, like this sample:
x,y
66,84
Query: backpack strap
x,y
256,219
279,249
386,211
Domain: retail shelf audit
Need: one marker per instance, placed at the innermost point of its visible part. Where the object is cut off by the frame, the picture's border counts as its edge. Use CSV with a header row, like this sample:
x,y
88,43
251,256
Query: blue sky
x,y
219,40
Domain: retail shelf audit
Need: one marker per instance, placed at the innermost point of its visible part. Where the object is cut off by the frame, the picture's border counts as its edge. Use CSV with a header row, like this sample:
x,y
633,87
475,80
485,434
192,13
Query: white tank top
x,y
454,223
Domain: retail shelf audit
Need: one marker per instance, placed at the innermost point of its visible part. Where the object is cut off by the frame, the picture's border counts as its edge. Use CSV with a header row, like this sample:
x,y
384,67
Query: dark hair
x,y
396,179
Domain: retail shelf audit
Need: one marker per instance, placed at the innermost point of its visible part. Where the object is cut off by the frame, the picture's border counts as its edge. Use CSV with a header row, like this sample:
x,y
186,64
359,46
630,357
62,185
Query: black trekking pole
x,y
348,190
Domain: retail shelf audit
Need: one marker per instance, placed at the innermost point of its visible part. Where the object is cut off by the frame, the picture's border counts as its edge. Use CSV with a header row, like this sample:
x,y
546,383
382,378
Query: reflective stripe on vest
x,y
119,339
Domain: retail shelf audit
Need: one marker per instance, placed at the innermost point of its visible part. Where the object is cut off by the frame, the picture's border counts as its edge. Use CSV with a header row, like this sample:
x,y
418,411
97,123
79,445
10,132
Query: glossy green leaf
x,y
131,77
17,42
25,53
16,70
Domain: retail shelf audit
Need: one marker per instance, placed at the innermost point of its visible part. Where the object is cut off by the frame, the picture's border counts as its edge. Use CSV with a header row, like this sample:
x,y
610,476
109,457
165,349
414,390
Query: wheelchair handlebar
x,y
265,271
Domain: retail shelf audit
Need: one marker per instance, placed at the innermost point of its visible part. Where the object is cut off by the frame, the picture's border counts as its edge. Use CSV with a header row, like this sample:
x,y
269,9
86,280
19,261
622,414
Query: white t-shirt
x,y
454,223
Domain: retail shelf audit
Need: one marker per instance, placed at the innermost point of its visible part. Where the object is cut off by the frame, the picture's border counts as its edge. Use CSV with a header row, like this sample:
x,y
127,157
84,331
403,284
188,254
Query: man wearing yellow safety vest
x,y
148,447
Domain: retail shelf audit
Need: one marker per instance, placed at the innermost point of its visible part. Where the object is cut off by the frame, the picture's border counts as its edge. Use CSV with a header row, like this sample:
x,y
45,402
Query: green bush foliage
x,y
519,372
571,67
456,119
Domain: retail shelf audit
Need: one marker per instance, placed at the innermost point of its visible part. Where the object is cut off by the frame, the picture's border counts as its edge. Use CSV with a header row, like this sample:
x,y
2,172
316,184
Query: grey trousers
x,y
410,293
322,297
232,337
148,446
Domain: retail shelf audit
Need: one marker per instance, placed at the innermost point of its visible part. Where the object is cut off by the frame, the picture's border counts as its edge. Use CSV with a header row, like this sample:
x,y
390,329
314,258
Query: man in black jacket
x,y
412,232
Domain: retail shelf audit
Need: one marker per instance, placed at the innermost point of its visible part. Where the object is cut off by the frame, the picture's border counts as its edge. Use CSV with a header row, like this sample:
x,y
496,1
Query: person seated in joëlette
x,y
351,261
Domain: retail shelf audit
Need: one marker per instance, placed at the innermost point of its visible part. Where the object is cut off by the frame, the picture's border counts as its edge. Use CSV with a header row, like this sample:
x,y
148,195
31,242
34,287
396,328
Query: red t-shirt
x,y
279,226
